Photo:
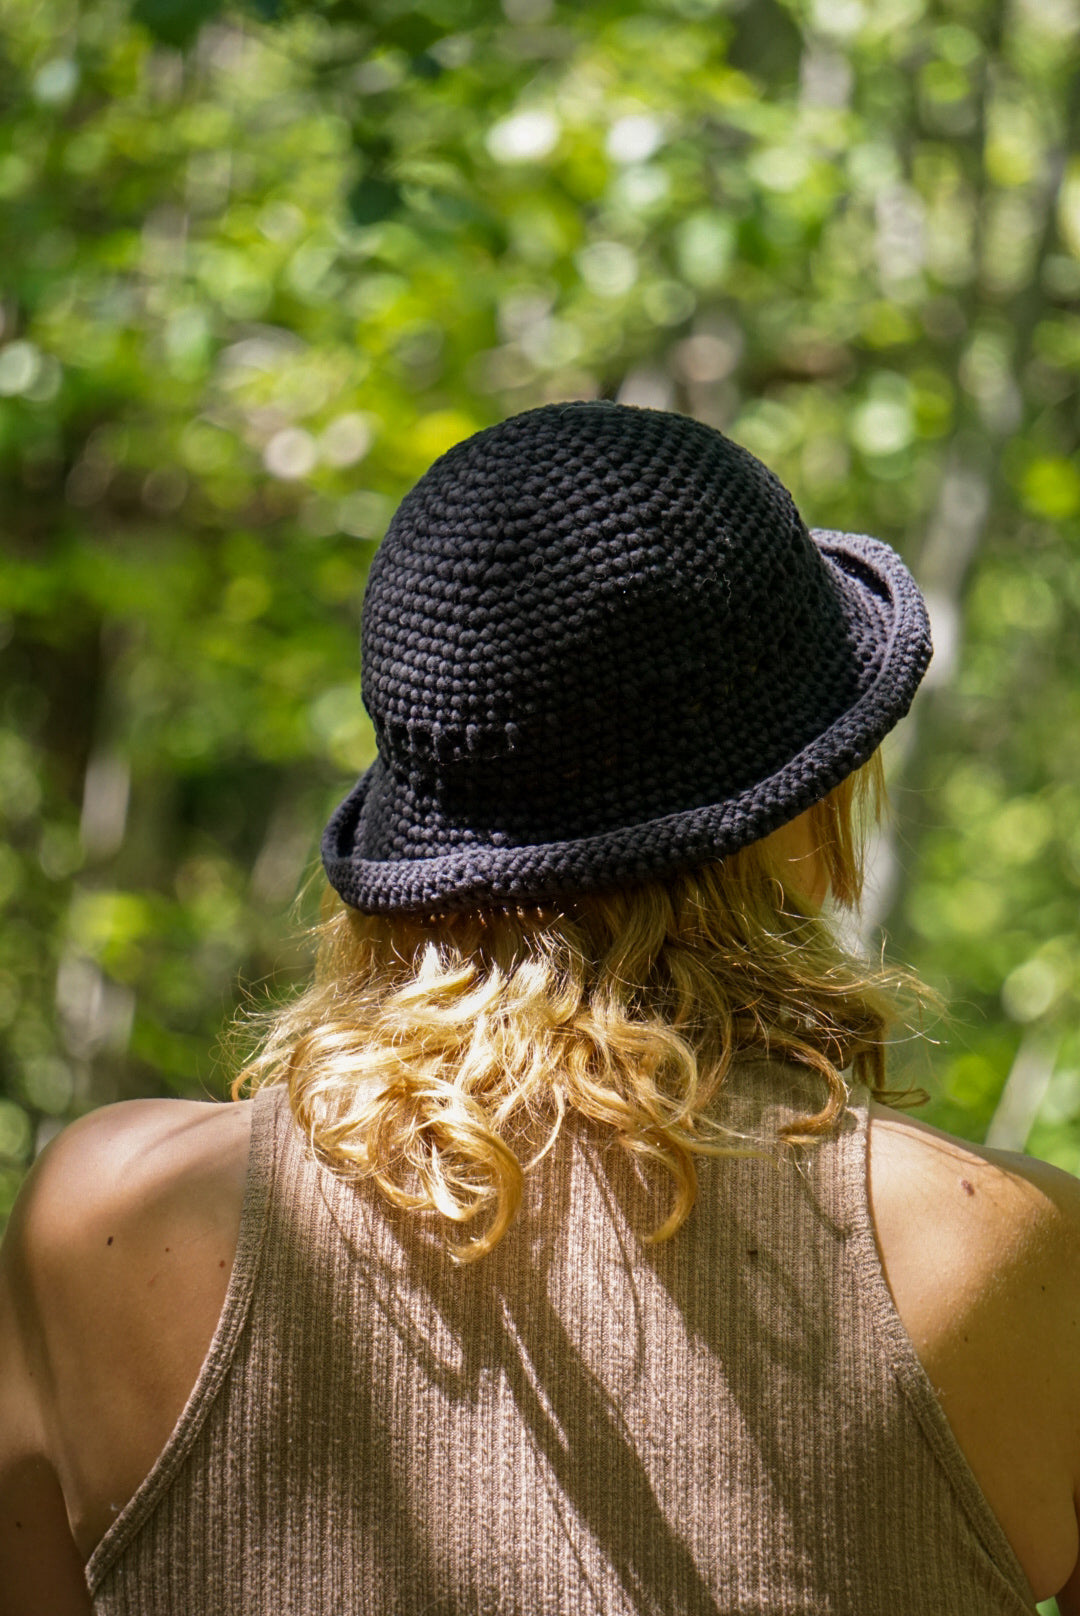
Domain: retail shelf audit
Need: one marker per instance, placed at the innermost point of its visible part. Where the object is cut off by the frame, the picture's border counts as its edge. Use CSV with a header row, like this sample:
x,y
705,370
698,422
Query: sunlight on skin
x,y
794,844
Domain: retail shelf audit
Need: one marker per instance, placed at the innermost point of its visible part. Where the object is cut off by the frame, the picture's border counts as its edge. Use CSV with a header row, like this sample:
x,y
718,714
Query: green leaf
x,y
373,199
175,22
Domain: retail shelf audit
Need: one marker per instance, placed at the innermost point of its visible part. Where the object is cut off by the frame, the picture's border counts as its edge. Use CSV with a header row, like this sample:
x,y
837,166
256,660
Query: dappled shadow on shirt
x,y
579,1417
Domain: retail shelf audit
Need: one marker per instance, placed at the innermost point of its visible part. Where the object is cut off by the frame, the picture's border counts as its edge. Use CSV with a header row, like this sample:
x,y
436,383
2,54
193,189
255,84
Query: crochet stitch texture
x,y
600,645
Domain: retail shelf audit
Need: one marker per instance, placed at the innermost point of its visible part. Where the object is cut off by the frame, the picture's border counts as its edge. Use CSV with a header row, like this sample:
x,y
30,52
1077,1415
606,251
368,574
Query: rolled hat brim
x,y
881,597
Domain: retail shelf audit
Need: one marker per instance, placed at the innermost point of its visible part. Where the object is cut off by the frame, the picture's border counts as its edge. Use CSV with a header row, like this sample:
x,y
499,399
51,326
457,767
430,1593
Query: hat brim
x,y
875,586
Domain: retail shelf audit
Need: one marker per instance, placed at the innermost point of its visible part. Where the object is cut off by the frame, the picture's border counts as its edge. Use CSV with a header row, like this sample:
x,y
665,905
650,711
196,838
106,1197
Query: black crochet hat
x,y
599,645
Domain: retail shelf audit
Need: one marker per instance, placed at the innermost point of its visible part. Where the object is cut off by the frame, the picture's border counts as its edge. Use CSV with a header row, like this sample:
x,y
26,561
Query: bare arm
x,y
981,1250
112,1275
40,1566
1068,1600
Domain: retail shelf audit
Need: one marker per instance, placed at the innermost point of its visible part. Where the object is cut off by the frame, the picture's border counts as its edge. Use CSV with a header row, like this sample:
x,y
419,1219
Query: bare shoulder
x,y
964,1226
112,1275
106,1186
981,1251
108,1177
1001,1193
113,1158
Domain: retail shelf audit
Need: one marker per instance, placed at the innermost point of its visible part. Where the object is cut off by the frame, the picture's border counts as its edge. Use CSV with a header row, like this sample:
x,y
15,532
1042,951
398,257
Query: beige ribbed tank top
x,y
733,1421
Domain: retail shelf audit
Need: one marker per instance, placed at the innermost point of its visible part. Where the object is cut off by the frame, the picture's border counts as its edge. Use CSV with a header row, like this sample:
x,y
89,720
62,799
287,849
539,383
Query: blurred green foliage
x,y
262,264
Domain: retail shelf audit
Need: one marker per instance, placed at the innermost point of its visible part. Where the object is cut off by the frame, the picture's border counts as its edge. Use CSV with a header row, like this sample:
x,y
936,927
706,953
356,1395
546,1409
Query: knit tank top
x,y
733,1421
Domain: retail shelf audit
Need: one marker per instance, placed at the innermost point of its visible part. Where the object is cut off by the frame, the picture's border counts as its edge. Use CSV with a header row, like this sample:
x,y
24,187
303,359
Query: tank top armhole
x,y
262,1157
899,1350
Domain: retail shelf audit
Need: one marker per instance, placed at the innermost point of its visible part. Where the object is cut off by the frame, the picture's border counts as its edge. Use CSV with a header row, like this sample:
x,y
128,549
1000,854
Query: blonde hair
x,y
432,1054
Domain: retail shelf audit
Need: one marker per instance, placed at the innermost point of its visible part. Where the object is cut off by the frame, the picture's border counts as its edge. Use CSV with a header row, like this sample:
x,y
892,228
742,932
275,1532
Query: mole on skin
x,y
967,1187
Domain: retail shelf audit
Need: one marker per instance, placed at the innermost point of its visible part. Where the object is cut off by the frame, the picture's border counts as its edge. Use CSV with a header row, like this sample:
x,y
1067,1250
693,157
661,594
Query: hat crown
x,y
587,588
600,646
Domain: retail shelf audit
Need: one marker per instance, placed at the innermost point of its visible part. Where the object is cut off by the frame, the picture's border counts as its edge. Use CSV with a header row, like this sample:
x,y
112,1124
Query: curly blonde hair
x,y
439,1055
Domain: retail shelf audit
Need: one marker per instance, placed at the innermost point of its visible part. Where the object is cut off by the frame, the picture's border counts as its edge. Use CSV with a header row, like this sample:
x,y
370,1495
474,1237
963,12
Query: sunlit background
x,y
259,268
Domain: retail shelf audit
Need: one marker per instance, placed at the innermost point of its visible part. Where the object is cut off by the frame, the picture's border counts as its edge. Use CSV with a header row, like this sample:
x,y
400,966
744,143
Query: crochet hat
x,y
599,645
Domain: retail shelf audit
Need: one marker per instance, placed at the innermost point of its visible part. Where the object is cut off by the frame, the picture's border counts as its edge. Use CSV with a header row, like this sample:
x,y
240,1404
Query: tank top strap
x,y
852,1185
271,1126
